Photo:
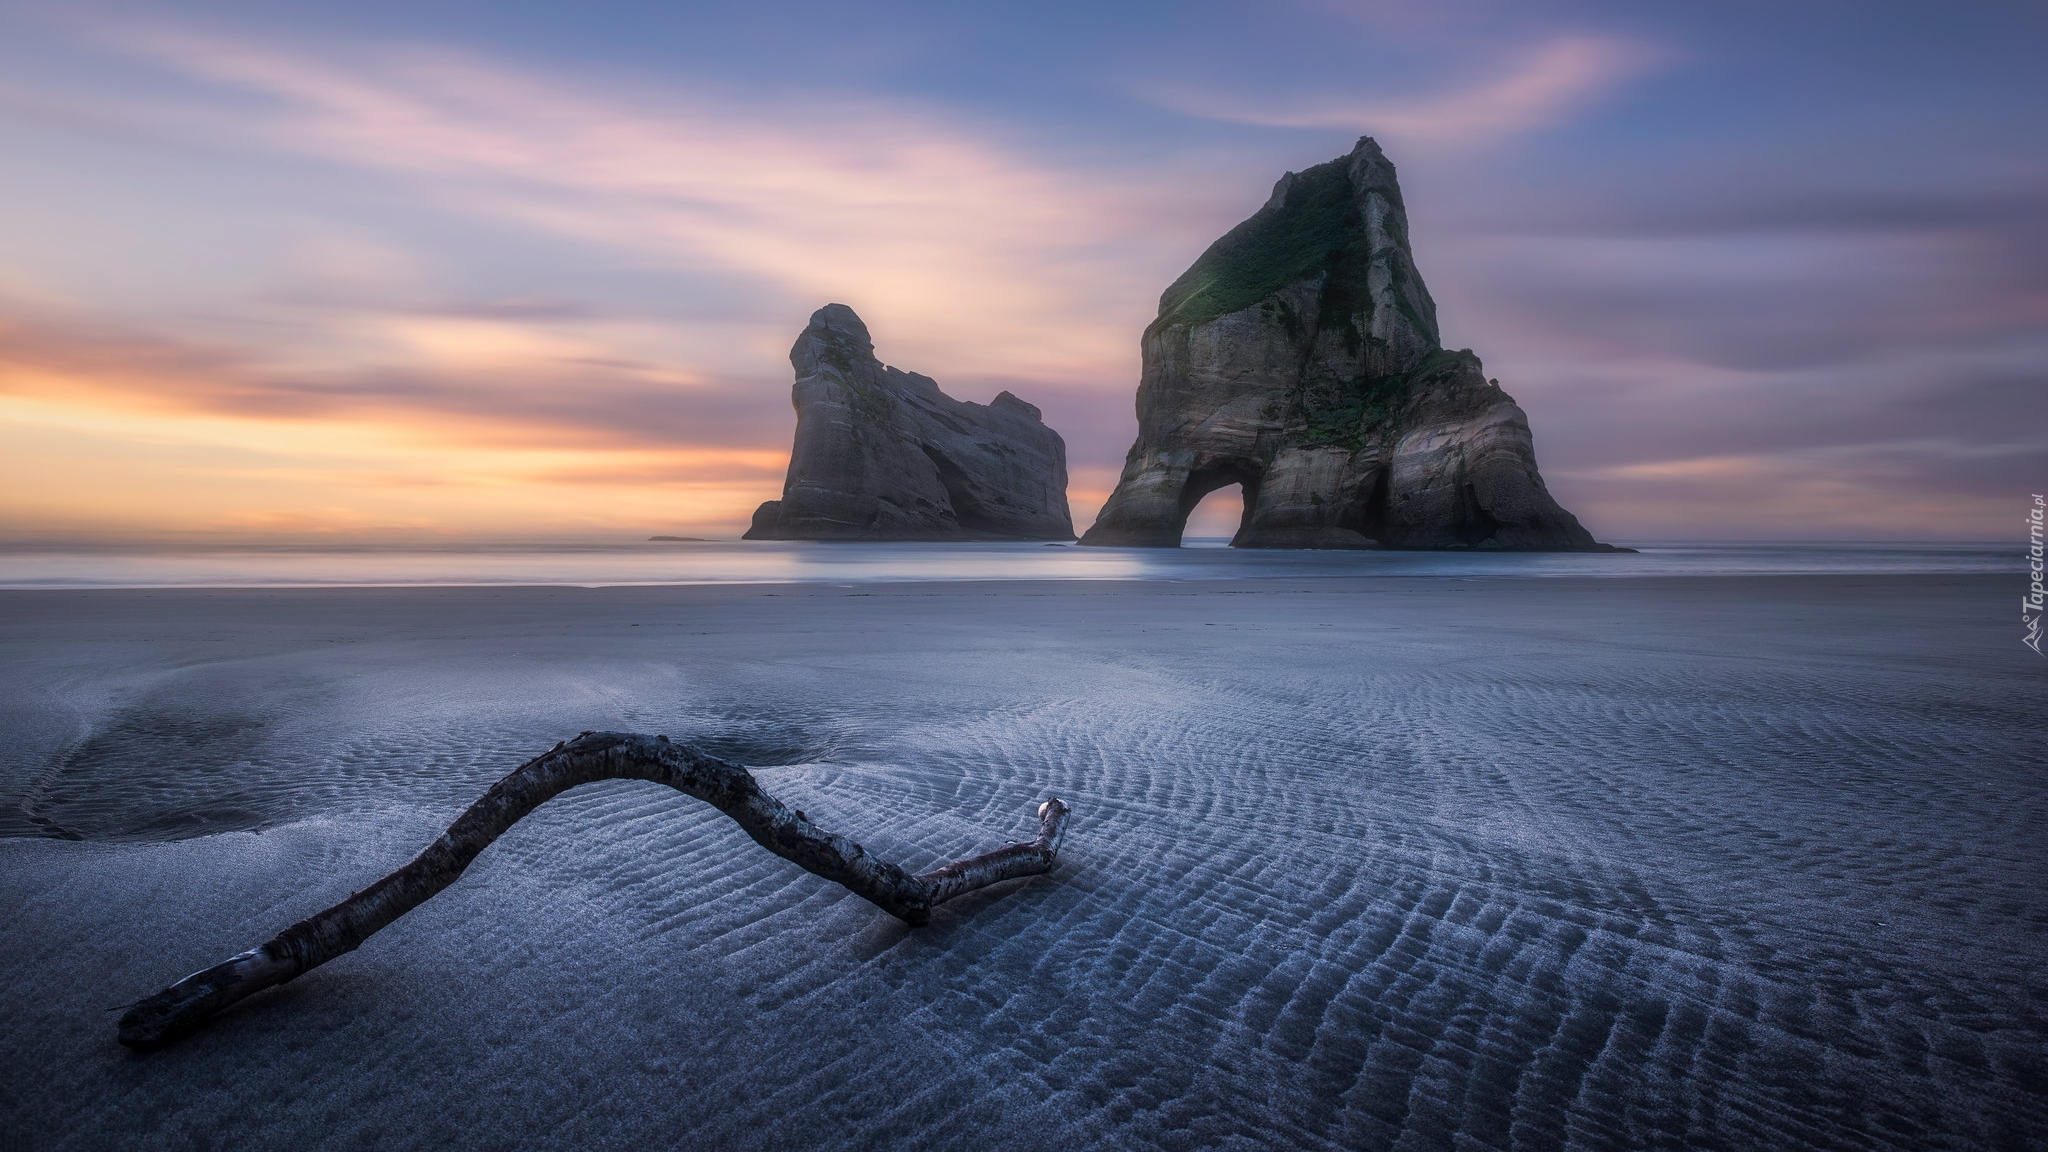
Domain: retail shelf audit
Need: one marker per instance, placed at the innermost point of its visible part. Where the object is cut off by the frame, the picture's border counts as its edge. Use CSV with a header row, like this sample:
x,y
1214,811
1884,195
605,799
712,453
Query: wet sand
x,y
1708,862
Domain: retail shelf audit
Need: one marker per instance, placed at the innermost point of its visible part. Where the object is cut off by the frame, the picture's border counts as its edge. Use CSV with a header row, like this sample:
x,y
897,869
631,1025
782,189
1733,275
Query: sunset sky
x,y
434,270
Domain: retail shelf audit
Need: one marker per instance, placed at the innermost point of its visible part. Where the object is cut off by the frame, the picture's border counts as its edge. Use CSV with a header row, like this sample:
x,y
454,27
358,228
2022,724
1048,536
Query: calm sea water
x,y
737,562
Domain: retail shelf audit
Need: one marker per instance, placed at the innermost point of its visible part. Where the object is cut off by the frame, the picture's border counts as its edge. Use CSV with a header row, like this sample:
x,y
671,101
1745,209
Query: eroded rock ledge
x,y
1299,357
882,454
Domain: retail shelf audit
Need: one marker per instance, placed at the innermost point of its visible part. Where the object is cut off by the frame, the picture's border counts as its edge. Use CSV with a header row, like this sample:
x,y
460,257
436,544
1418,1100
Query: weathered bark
x,y
184,1006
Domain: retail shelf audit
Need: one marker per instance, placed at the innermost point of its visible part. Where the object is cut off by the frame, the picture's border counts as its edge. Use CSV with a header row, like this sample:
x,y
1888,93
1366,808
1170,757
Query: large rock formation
x,y
882,454
1299,357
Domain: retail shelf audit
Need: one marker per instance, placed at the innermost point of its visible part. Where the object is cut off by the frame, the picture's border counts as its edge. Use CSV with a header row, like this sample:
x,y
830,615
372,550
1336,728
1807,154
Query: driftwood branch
x,y
787,832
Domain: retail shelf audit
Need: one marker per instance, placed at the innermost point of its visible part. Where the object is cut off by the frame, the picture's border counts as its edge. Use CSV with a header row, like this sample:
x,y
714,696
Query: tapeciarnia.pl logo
x,y
2031,603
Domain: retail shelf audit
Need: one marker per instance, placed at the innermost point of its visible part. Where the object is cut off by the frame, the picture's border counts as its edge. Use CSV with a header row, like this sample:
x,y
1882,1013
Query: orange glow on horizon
x,y
270,285
153,440
79,470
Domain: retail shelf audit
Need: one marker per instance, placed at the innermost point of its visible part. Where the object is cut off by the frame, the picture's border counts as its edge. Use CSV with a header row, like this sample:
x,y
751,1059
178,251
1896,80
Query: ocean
x,y
764,562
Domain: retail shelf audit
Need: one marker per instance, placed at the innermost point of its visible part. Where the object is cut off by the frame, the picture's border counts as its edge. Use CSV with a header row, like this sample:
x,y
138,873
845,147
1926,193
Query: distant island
x,y
681,539
1299,358
883,454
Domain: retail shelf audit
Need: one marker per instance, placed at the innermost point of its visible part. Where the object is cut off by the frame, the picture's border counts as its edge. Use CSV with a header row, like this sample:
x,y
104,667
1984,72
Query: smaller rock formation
x,y
882,454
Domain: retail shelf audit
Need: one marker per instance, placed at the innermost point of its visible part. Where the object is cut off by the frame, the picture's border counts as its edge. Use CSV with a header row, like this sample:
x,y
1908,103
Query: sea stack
x,y
1299,357
882,454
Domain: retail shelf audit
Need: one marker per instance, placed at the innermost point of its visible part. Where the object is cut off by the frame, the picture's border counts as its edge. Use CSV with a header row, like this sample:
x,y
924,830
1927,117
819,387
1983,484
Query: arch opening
x,y
1215,518
1209,512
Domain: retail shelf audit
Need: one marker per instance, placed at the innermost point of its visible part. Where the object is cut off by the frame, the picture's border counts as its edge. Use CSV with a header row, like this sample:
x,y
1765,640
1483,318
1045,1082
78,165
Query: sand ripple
x,y
1350,869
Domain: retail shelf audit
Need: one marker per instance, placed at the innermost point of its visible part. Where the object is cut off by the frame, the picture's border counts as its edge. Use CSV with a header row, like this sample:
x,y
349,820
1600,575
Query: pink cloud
x,y
966,250
1541,87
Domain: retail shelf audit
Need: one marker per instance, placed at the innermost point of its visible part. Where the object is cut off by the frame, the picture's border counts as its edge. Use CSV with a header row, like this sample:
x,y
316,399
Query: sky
x,y
437,270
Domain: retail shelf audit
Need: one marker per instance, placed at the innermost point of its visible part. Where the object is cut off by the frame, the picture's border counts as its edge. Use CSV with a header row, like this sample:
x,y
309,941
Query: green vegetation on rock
x,y
1350,413
1346,413
1315,230
1316,220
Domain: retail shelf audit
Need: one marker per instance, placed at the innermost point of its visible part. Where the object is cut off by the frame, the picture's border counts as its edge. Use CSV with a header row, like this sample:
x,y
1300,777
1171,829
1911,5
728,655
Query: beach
x,y
1717,861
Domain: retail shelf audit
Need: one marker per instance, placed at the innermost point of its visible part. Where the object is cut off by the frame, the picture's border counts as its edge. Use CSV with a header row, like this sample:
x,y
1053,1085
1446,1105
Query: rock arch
x,y
1299,357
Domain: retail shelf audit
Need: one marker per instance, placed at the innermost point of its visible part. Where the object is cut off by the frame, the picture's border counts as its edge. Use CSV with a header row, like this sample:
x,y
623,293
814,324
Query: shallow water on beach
x,y
774,562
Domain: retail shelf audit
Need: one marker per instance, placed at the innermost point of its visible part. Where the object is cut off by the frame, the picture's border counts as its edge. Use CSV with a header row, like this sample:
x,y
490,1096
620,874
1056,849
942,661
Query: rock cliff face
x,y
882,454
1299,357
